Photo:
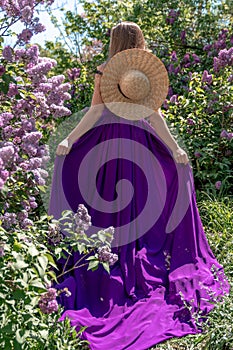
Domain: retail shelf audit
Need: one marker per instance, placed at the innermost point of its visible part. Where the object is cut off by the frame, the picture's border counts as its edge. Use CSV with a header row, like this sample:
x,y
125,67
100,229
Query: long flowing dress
x,y
166,272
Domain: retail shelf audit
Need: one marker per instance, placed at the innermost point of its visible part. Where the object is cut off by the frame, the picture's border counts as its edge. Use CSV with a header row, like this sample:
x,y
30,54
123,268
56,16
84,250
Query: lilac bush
x,y
199,104
29,97
24,12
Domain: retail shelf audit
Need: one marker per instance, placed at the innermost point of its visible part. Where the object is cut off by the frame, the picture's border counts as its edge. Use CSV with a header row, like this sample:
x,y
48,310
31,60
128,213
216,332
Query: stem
x,y
66,262
82,257
72,268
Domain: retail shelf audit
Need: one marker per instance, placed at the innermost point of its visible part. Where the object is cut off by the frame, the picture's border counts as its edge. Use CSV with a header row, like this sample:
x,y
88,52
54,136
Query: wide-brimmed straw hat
x,y
134,84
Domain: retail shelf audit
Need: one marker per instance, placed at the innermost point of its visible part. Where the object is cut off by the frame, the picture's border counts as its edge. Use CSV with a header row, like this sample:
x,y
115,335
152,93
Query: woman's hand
x,y
64,147
180,156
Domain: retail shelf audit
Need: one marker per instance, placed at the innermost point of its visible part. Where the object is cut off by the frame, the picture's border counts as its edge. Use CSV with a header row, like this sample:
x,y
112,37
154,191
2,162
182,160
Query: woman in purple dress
x,y
122,170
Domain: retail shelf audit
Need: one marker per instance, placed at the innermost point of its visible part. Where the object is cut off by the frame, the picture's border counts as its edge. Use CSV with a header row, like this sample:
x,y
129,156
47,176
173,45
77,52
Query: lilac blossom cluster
x,y
227,135
24,12
90,51
105,255
48,303
82,219
224,59
22,149
219,44
172,16
218,185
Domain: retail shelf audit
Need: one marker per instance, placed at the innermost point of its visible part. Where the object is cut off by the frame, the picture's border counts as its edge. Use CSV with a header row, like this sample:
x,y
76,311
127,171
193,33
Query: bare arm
x,y
87,121
159,124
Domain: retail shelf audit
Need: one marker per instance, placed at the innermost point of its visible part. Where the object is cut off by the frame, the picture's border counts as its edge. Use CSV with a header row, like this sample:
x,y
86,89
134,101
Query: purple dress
x,y
126,177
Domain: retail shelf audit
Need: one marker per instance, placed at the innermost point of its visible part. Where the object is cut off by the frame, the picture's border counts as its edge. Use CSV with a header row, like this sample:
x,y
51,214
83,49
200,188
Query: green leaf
x,y
18,294
91,258
20,264
106,266
93,264
43,261
53,275
50,259
37,283
33,251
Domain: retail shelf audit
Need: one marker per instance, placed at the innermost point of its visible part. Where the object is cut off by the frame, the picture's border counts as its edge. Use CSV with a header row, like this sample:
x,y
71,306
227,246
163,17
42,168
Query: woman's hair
x,y
125,35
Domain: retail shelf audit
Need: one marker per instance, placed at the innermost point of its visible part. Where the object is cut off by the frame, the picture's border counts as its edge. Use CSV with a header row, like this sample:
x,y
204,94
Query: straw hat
x,y
134,84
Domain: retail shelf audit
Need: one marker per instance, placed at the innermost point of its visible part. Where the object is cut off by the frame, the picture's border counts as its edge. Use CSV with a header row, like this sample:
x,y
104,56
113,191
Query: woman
x,y
166,272
124,36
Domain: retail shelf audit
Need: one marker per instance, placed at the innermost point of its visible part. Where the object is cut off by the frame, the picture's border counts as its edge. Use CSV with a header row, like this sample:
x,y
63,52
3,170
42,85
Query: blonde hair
x,y
126,35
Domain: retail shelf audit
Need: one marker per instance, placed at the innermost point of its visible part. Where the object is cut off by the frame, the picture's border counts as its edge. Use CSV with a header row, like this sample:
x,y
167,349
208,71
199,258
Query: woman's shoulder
x,y
101,66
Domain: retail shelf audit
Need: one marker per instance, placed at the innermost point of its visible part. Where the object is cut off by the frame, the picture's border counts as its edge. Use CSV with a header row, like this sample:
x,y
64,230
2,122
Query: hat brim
x,y
148,64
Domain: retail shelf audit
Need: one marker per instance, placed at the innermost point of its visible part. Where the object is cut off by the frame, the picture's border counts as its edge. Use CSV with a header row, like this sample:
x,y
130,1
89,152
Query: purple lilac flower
x,y
73,73
2,251
230,135
35,163
2,70
57,80
174,99
207,47
105,255
173,56
186,58
170,91
177,70
206,77
165,104
32,53
54,233
38,28
19,54
26,14
59,111
26,223
224,134
218,185
171,68
8,219
13,90
225,58
230,78
32,137
7,53
42,67
197,154
183,36
82,219
64,87
190,121
23,214
220,44
4,174
172,15
47,302
25,36
7,154
196,58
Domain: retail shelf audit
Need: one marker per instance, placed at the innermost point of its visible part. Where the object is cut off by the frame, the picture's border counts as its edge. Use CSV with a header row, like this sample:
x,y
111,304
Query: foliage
x,y
194,40
28,269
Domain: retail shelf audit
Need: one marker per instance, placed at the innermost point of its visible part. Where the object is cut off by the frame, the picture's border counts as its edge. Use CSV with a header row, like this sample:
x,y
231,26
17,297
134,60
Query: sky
x,y
51,32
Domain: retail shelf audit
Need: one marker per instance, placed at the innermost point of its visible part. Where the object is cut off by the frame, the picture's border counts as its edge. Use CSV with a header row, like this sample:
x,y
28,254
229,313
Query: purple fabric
x,y
161,255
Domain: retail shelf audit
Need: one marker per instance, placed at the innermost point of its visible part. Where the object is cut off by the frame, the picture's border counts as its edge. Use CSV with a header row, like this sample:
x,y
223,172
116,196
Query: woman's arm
x,y
158,122
87,121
